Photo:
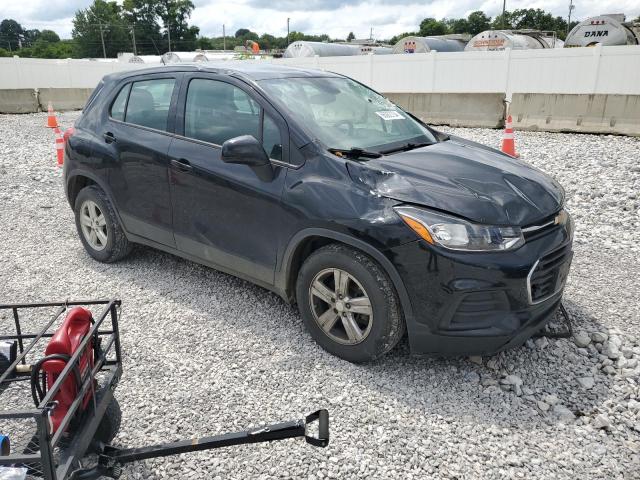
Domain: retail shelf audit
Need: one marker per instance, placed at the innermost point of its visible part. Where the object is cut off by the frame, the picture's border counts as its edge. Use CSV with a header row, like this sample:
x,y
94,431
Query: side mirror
x,y
245,150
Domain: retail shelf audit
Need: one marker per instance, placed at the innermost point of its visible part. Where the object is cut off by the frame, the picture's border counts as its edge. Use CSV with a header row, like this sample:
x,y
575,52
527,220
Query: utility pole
x,y
288,31
504,11
133,34
571,7
371,33
104,50
169,35
224,39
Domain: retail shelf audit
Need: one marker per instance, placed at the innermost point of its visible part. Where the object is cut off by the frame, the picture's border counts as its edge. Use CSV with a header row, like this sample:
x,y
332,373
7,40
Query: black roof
x,y
250,70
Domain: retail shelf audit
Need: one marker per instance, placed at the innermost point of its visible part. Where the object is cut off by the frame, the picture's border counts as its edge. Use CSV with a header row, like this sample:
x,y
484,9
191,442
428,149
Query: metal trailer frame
x,y
110,459
90,419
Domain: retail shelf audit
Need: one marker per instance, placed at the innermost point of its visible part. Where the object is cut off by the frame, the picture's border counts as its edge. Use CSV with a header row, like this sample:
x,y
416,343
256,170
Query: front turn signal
x,y
418,227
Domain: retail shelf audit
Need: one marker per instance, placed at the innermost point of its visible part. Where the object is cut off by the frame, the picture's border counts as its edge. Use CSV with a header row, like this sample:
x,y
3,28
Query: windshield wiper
x,y
406,147
354,153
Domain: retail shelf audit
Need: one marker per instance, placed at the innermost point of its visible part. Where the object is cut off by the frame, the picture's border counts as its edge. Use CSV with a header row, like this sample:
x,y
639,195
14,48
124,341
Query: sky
x,y
335,17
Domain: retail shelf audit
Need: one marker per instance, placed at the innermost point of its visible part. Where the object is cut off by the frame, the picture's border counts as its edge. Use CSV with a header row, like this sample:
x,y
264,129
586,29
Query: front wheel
x,y
349,304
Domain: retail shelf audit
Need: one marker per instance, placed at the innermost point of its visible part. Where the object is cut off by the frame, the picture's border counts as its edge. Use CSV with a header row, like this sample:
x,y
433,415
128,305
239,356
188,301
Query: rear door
x,y
135,140
225,213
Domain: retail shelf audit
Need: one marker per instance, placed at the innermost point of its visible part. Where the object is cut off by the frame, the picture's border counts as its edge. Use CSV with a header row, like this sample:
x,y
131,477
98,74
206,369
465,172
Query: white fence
x,y
602,70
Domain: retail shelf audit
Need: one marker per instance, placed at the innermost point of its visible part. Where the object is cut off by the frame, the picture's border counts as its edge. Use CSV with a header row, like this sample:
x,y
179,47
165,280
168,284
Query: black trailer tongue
x,y
112,458
57,407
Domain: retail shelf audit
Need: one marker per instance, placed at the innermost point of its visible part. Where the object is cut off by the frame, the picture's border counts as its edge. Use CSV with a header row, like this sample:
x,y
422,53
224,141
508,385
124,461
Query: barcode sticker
x,y
390,115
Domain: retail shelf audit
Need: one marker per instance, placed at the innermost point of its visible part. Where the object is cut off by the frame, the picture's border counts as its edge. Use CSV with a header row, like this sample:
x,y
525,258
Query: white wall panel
x,y
606,70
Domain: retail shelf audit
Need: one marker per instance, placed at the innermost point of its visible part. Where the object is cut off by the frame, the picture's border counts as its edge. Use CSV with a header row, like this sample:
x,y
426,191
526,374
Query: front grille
x,y
548,275
531,232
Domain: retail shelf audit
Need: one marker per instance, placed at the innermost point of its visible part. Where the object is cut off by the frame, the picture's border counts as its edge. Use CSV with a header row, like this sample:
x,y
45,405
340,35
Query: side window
x,y
149,103
217,111
244,103
271,138
119,104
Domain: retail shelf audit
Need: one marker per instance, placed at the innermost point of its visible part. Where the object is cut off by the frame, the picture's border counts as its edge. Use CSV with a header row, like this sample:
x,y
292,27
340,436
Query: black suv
x,y
314,186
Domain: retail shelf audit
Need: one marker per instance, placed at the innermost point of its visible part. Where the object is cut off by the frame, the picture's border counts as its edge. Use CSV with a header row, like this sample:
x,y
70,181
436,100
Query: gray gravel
x,y
207,353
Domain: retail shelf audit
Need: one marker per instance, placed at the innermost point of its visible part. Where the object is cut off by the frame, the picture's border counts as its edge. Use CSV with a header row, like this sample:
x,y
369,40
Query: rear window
x,y
93,96
120,103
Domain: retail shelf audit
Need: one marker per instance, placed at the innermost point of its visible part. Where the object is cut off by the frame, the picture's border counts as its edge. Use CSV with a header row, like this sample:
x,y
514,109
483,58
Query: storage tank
x,y
607,30
145,59
375,49
413,44
177,57
492,40
321,49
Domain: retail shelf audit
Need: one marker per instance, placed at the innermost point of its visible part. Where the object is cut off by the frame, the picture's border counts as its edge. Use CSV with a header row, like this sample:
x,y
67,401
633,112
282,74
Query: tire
x,y
110,423
381,329
112,245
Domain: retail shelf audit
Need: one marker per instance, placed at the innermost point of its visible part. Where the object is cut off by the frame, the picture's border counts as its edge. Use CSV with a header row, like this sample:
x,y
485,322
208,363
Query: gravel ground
x,y
206,352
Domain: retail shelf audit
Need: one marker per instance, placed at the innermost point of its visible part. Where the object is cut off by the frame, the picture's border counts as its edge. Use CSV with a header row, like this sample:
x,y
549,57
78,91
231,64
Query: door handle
x,y
109,137
182,164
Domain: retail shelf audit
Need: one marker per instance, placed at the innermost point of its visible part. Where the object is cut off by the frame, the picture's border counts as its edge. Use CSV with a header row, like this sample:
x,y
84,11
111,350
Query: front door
x,y
136,137
224,213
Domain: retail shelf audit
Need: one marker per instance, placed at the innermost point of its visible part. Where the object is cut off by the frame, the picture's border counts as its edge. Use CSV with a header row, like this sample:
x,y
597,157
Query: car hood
x,y
466,179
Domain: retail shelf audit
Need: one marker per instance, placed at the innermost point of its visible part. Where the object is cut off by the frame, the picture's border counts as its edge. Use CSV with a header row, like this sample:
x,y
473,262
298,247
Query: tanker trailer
x,y
311,49
610,29
492,40
414,44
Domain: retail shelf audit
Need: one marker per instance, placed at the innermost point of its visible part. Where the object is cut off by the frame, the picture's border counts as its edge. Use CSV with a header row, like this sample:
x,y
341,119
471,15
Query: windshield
x,y
344,114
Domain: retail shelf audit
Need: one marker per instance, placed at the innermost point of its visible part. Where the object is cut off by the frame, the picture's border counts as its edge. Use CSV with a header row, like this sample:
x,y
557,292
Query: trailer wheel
x,y
110,423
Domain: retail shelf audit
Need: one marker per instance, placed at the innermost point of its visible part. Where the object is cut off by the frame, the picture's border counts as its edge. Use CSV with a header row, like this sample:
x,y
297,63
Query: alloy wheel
x,y
340,306
94,225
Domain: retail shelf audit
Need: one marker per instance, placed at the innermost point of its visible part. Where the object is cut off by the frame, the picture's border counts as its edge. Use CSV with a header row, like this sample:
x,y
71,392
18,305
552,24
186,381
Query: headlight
x,y
457,234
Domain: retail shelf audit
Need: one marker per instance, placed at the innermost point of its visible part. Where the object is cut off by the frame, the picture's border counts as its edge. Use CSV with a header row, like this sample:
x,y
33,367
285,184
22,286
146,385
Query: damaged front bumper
x,y
482,303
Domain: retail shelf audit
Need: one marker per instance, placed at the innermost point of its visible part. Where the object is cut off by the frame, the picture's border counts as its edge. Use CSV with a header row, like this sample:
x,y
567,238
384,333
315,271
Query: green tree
x,y
431,26
4,52
102,17
457,25
142,19
501,22
11,34
537,19
47,36
478,22
241,32
175,15
531,18
31,36
350,37
393,40
267,42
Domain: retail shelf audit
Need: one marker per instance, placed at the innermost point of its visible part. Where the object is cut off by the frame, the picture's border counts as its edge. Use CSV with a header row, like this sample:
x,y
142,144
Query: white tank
x,y
376,50
492,40
413,44
321,49
605,29
145,59
177,57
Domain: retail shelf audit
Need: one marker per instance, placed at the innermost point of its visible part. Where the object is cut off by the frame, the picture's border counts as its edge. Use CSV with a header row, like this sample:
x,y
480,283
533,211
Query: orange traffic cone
x,y
508,142
59,146
51,118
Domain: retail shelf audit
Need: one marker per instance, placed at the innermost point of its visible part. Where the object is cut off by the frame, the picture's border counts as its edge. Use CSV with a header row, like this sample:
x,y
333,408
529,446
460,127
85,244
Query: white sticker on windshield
x,y
390,115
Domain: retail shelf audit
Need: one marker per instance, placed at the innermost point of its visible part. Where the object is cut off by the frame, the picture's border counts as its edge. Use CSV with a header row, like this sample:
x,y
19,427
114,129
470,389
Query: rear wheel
x,y
348,304
98,227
